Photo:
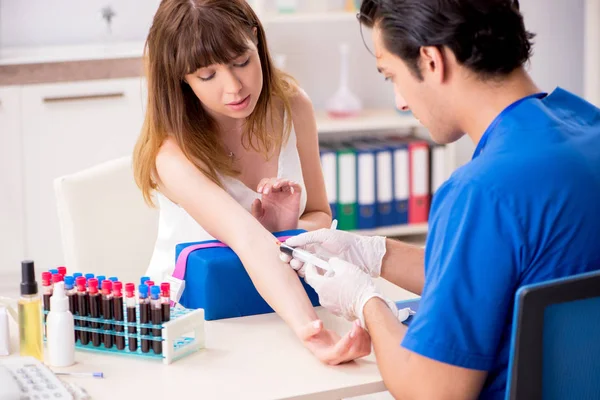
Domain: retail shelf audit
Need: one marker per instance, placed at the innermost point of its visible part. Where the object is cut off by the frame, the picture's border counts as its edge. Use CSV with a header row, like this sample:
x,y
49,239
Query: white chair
x,y
106,227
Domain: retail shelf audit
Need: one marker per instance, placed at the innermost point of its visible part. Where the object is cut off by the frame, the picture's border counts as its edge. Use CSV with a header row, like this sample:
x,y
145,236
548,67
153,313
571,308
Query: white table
x,y
251,358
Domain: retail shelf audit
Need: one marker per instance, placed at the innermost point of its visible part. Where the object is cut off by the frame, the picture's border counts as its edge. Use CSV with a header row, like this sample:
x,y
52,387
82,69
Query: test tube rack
x,y
176,344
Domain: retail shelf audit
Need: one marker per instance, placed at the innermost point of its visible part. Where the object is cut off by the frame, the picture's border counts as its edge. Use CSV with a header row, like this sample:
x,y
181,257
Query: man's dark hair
x,y
486,36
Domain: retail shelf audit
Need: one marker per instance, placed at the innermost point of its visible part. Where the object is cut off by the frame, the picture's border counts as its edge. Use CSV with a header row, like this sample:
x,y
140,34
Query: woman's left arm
x,y
317,213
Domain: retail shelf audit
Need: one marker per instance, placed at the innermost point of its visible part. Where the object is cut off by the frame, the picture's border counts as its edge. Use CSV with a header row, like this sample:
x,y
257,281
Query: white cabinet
x,y
11,189
68,127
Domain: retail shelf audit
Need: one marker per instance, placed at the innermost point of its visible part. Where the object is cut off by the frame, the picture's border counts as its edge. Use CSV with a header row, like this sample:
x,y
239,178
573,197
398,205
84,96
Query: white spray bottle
x,y
60,328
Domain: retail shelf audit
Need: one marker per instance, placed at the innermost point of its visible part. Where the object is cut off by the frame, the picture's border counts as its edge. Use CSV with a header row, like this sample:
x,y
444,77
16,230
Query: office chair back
x,y
555,347
106,227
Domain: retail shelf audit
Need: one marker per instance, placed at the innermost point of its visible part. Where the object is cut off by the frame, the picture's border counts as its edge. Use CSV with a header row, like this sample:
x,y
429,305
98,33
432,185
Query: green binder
x,y
346,188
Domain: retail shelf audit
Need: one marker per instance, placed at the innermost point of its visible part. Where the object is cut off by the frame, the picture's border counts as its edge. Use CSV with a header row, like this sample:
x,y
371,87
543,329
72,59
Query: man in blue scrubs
x,y
525,209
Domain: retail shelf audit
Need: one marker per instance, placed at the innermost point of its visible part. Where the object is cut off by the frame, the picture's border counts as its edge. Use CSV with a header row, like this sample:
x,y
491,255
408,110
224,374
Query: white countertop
x,y
52,54
251,358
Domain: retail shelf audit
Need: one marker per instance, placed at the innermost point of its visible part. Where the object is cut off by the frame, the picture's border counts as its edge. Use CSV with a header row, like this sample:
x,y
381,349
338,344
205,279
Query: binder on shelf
x,y
419,187
346,187
329,168
366,185
385,185
401,178
438,166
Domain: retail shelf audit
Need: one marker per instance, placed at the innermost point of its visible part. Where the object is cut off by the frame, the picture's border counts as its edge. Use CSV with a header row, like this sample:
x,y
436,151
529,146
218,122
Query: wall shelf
x,y
369,120
397,230
302,17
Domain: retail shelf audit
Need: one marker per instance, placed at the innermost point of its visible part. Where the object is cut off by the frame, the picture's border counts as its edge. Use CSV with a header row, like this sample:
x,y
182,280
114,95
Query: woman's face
x,y
231,90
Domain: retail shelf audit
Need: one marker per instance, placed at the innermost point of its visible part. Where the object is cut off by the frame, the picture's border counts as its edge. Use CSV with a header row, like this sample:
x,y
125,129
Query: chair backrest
x,y
555,346
106,227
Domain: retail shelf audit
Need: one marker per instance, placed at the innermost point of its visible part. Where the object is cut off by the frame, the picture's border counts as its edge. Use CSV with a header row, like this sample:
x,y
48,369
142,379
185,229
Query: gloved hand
x,y
366,252
345,289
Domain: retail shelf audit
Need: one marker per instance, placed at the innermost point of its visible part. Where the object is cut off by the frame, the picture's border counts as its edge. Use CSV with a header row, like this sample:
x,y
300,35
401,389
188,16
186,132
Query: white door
x,y
68,127
11,185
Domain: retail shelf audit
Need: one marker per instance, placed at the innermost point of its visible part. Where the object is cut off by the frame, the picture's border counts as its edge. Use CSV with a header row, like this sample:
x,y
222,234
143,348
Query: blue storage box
x,y
216,281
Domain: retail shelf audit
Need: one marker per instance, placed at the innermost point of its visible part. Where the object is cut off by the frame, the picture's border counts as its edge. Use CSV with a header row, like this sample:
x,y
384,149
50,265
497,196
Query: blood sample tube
x,y
144,315
57,278
82,309
117,288
72,296
113,279
62,271
46,293
156,311
143,280
94,307
46,290
131,316
88,277
101,279
165,300
107,312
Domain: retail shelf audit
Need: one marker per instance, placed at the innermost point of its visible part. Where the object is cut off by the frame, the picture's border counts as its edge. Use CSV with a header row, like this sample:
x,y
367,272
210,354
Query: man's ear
x,y
433,62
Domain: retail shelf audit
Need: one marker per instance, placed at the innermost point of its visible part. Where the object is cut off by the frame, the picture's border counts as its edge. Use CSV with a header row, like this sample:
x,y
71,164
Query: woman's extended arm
x,y
225,219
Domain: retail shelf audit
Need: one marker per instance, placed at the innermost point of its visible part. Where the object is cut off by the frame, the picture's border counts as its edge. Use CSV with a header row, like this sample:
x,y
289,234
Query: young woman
x,y
229,149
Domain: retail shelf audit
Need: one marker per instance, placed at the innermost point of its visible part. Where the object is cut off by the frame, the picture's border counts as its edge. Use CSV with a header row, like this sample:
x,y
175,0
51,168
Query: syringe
x,y
304,256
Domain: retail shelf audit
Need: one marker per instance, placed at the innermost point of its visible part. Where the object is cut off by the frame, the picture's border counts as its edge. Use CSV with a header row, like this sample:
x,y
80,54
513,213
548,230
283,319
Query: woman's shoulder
x,y
301,106
171,159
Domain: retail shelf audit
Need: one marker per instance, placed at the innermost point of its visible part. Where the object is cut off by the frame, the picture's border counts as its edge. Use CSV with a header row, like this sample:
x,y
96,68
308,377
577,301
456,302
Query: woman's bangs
x,y
209,45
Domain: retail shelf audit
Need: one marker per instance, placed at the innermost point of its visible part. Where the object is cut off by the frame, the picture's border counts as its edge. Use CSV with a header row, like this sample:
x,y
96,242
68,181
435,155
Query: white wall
x,y
65,22
311,49
559,46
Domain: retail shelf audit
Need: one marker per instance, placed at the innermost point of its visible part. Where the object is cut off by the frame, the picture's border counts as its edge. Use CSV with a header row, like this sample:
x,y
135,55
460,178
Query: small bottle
x,y
143,280
62,270
61,342
30,314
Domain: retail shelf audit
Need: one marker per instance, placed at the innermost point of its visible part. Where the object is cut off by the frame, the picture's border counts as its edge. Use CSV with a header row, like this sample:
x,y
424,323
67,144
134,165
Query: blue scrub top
x,y
525,209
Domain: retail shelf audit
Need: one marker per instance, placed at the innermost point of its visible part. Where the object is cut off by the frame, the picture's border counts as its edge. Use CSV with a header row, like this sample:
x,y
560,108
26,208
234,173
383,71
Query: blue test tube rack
x,y
181,336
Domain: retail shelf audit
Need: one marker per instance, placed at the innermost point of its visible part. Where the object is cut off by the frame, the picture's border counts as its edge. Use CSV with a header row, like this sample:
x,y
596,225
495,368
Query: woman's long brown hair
x,y
187,35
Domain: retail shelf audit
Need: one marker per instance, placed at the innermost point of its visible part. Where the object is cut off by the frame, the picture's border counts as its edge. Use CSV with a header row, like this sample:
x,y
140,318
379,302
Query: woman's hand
x,y
332,349
279,209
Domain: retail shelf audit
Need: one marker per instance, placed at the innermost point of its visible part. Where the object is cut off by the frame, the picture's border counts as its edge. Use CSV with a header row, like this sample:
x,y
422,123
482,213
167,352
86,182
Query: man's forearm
x,y
404,265
386,334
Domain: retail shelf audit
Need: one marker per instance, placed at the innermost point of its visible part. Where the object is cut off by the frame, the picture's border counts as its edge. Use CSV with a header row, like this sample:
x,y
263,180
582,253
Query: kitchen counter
x,y
20,66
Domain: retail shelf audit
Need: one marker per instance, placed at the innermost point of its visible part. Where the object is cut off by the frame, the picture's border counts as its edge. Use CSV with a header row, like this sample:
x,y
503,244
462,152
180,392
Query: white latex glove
x,y
366,252
345,289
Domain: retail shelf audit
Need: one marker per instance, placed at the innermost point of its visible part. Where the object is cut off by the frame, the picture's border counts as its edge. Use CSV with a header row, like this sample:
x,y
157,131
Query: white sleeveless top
x,y
176,226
